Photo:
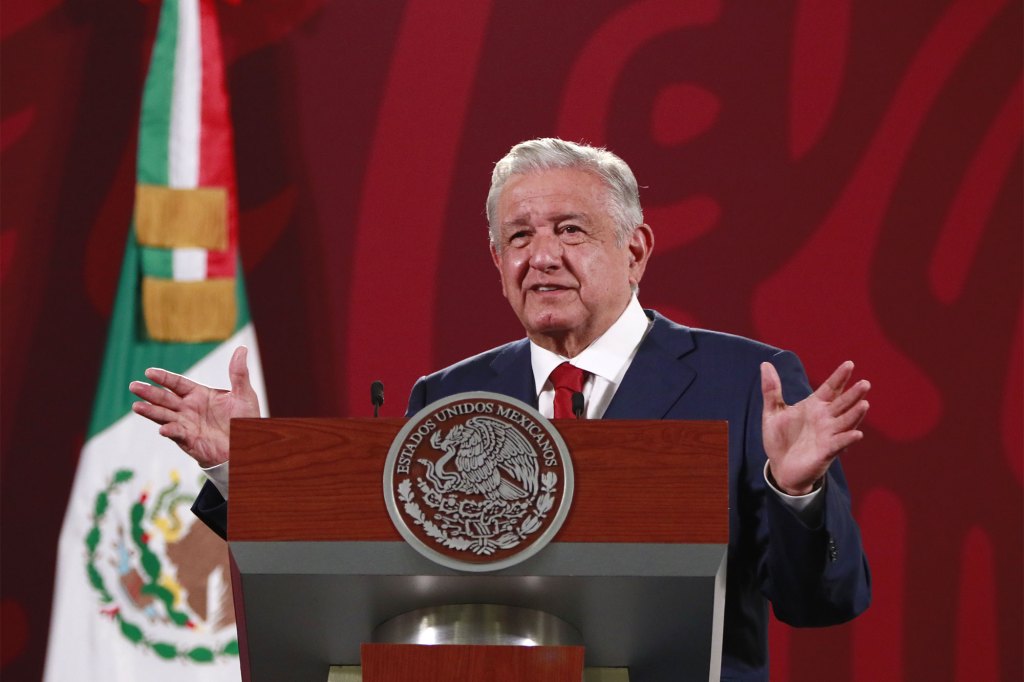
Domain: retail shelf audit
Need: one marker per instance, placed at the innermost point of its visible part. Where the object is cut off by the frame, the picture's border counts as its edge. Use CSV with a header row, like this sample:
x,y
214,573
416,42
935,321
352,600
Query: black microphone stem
x,y
577,404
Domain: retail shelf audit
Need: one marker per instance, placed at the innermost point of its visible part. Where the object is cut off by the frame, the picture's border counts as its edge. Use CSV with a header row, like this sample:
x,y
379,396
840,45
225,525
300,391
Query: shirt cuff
x,y
218,475
806,507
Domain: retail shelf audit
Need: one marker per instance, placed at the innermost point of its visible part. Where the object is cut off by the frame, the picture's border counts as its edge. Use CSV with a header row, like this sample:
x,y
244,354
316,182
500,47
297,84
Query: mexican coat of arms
x,y
478,481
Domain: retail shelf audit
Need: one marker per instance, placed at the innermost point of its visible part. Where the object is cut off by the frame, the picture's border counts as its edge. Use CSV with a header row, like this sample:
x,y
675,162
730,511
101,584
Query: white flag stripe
x,y
183,145
86,644
188,265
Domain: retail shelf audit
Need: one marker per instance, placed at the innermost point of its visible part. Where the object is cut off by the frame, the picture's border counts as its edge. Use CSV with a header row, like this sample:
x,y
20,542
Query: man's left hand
x,y
801,440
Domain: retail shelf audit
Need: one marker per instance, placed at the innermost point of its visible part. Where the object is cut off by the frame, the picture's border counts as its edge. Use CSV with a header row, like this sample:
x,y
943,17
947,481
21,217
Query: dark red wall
x,y
842,179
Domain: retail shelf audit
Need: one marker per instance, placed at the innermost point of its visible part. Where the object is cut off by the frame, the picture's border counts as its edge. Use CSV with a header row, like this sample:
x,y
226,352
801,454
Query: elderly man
x,y
570,244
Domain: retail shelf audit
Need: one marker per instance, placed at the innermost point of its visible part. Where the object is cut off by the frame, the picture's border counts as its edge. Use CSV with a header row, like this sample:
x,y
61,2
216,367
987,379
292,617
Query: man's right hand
x,y
196,417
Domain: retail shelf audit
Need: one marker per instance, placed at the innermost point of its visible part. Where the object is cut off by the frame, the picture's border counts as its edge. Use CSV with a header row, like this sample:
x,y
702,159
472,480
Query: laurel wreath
x,y
483,546
151,565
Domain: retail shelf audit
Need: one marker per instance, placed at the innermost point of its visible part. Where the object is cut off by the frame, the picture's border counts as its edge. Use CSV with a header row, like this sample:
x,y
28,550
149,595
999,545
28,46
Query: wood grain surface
x,y
471,663
322,480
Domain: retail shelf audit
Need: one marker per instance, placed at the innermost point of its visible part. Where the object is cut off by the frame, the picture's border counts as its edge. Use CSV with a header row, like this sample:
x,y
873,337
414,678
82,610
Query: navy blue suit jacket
x,y
812,576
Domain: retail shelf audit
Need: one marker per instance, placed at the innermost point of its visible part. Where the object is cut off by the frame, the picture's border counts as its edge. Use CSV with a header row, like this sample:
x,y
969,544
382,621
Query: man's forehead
x,y
554,179
554,194
528,216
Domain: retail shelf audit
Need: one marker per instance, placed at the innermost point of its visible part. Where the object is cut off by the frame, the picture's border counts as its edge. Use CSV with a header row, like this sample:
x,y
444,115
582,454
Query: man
x,y
570,244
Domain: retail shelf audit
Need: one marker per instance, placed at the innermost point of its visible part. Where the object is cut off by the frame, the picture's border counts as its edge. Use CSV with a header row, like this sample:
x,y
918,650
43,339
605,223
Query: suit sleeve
x,y
417,398
813,576
212,509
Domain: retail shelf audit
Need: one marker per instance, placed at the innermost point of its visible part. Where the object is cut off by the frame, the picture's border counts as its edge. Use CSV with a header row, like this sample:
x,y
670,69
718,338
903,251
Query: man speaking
x,y
568,239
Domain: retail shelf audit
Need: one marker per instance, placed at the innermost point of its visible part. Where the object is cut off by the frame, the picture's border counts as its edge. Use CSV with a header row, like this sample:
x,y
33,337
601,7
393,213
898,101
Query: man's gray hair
x,y
549,153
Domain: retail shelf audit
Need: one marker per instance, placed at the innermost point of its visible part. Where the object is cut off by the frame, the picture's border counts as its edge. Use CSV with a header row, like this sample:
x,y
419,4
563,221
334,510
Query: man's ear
x,y
496,259
640,245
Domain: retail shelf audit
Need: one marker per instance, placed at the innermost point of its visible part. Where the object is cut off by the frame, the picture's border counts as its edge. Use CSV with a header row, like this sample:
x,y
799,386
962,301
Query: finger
x,y
850,397
238,371
171,381
771,387
851,419
155,413
155,394
175,432
835,384
863,413
843,440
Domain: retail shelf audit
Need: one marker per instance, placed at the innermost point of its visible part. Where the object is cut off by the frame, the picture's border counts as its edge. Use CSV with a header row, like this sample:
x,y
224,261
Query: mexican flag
x,y
143,590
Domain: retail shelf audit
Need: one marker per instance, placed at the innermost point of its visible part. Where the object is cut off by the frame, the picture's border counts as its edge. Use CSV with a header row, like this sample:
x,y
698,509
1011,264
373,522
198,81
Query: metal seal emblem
x,y
478,481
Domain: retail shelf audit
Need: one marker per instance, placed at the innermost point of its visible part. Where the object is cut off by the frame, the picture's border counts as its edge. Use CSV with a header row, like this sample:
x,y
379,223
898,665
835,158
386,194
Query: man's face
x,y
562,269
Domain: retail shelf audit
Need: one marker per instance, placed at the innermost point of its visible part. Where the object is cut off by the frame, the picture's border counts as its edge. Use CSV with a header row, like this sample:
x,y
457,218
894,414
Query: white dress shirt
x,y
606,359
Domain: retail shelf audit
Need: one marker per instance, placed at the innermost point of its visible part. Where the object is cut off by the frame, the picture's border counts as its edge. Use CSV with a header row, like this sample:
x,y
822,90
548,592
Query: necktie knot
x,y
568,377
567,380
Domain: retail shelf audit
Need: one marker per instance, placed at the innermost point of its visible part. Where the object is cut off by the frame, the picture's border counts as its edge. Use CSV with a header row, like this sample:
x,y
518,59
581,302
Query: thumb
x,y
771,388
238,372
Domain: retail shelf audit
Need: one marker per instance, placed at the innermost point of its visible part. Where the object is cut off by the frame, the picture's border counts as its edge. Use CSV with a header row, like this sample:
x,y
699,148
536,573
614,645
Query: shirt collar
x,y
609,354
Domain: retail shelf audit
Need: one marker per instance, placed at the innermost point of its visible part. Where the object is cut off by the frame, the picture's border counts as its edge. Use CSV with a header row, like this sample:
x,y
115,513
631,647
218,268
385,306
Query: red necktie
x,y
567,380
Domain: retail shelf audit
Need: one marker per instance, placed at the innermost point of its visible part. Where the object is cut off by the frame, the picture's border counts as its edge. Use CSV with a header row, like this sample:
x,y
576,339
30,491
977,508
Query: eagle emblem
x,y
491,459
478,481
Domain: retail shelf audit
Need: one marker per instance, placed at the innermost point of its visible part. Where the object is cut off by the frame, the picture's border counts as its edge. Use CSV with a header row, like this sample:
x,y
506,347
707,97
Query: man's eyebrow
x,y
578,217
518,222
558,217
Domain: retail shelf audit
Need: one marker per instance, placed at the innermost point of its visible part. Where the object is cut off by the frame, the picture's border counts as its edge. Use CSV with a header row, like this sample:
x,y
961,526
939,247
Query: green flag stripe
x,y
129,351
157,262
155,119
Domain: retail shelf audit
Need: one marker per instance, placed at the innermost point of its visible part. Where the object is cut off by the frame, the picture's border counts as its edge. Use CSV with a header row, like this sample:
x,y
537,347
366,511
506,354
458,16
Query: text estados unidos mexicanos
x,y
429,425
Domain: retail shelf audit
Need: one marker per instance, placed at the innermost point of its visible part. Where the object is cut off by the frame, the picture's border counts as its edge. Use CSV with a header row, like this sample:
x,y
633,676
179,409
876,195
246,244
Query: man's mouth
x,y
548,288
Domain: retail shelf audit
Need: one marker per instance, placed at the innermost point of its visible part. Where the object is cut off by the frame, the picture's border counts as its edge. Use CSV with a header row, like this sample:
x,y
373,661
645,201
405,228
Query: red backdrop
x,y
842,179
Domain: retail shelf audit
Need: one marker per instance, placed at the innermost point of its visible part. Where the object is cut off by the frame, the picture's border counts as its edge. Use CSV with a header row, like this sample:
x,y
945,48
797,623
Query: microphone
x,y
377,396
577,404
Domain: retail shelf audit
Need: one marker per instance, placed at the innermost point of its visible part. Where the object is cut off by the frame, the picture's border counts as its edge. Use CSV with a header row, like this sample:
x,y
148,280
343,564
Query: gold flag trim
x,y
189,312
175,218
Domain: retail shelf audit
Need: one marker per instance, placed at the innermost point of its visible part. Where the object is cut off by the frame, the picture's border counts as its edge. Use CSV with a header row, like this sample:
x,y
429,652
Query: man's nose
x,y
545,251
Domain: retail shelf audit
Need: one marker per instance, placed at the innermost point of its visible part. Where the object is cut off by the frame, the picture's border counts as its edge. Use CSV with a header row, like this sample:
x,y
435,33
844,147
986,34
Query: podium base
x,y
475,643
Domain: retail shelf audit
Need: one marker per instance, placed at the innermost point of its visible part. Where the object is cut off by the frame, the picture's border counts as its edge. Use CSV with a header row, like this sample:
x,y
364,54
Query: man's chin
x,y
549,323
551,329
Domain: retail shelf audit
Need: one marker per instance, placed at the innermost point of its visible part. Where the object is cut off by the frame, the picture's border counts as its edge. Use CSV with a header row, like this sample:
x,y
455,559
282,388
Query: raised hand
x,y
197,417
801,440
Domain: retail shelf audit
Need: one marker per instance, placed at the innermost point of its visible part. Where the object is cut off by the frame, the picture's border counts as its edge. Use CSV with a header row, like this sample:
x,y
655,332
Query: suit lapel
x,y
513,373
658,376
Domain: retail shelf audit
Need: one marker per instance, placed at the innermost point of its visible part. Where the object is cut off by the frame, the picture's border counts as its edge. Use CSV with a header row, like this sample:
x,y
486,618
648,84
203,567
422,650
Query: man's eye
x,y
518,238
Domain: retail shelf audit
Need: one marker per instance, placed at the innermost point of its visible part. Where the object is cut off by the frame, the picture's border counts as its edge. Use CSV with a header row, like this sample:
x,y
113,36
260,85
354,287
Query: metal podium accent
x,y
478,624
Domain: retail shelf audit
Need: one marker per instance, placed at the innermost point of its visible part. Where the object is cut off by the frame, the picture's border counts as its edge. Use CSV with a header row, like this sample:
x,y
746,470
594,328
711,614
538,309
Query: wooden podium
x,y
638,567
